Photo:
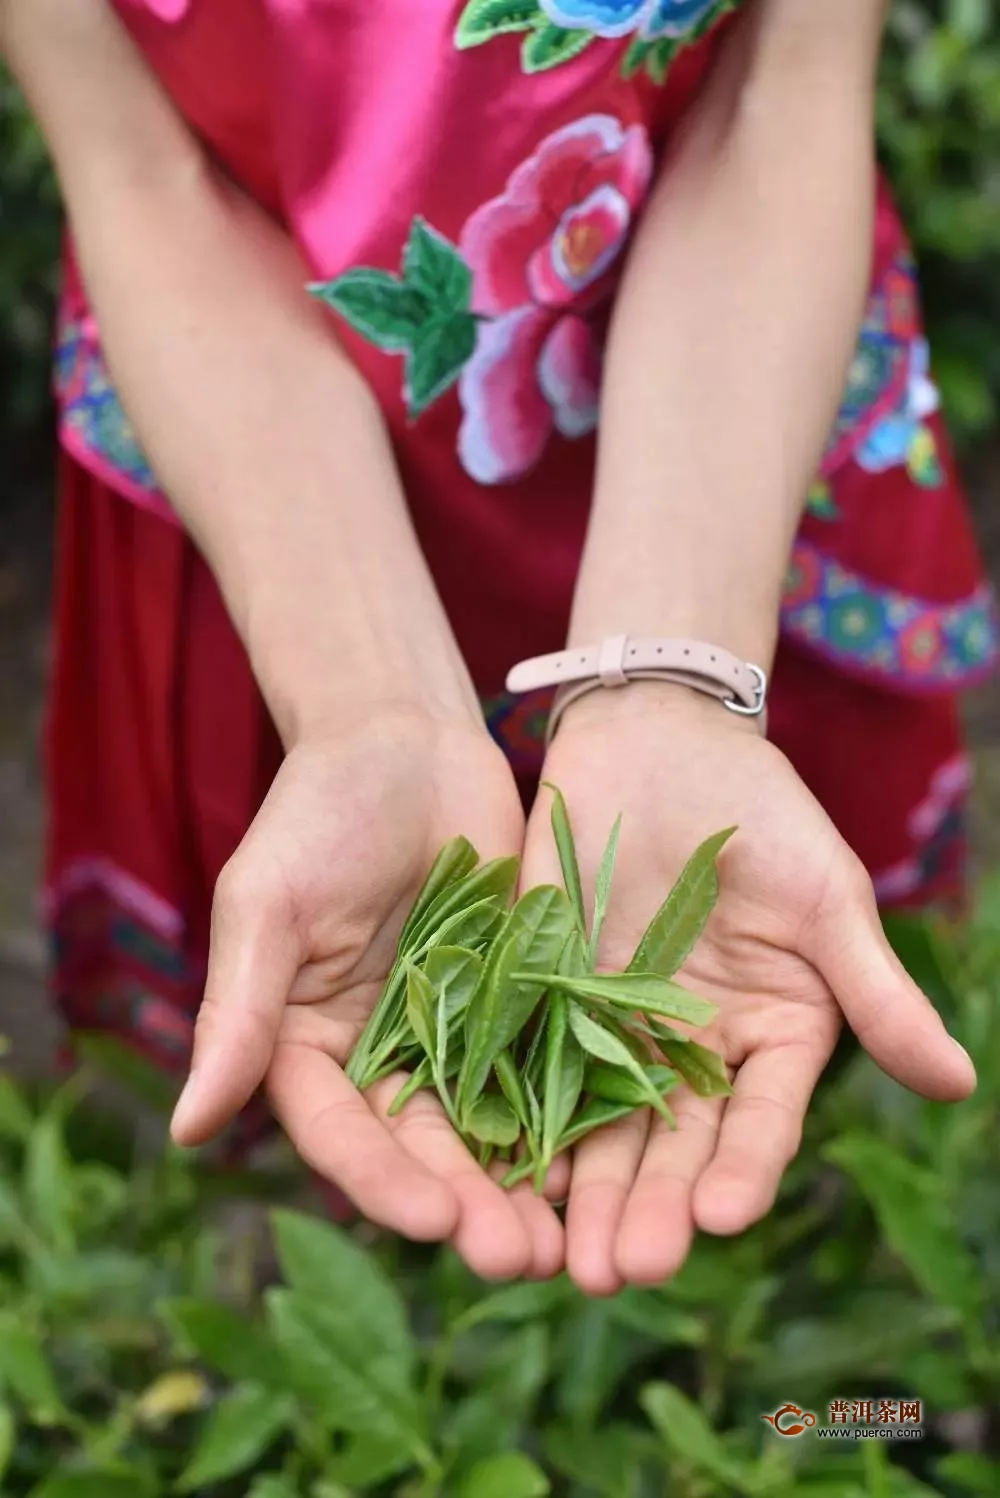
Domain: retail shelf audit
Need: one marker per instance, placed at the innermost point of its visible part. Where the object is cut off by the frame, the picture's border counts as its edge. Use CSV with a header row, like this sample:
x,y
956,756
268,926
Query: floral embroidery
x,y
92,411
884,633
937,826
510,312
882,361
903,437
542,256
558,30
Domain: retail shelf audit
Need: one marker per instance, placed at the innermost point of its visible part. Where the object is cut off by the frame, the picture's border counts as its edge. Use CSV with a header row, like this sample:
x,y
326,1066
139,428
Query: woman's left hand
x,y
795,946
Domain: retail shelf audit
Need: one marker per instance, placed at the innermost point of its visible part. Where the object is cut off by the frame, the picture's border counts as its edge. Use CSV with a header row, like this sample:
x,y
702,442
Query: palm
x,y
795,931
304,932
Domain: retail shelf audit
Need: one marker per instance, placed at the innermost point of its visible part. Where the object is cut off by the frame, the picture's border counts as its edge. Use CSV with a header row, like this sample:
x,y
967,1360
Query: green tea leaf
x,y
513,1088
378,306
703,1070
644,992
482,20
48,1187
94,1482
598,1042
223,1339
334,1367
605,1461
688,1434
453,973
148,1084
615,1085
510,1474
563,1077
456,860
8,1437
595,1114
674,931
913,1211
25,1371
325,1263
435,268
970,1471
550,46
270,1485
419,1081
243,1425
604,1046
531,942
528,1300
367,1462
440,351
602,896
562,831
16,1118
421,1010
495,880
492,1120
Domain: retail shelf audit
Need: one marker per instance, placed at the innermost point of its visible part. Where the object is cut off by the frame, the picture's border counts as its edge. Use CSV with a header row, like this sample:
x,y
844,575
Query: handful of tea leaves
x,y
500,1010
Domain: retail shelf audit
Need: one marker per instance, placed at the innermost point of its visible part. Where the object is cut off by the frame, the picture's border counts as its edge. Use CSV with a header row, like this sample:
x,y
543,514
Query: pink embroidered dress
x,y
463,177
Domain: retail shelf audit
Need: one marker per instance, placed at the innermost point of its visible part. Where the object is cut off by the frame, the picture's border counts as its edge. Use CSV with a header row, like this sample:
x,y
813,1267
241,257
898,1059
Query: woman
x,y
396,489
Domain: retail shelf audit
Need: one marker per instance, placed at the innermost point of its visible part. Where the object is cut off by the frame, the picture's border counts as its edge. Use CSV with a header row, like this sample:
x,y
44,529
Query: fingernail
x,y
960,1048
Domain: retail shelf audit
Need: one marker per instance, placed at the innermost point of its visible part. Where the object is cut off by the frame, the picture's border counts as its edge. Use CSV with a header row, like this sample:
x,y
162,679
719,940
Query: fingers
x,y
896,1023
338,1135
253,960
760,1134
604,1168
657,1226
496,1233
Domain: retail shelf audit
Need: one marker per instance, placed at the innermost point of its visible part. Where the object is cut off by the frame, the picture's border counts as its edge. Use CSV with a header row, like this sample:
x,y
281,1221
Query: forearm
x,y
733,333
264,437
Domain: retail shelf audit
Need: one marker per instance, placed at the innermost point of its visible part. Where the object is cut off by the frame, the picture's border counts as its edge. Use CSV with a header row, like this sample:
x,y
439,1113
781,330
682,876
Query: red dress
x,y
463,177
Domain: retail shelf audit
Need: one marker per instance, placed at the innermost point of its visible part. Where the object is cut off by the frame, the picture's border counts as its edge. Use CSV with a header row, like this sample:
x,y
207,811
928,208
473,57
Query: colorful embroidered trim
x,y
92,416
903,641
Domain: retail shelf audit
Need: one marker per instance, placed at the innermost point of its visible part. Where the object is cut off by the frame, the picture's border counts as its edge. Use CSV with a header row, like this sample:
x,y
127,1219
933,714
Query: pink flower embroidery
x,y
543,257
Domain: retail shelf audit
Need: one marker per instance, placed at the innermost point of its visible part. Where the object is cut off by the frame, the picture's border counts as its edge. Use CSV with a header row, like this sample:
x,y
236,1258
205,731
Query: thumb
x,y
895,1022
253,961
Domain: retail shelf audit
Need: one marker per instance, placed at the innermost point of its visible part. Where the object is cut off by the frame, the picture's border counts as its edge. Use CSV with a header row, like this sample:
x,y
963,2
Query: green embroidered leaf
x,y
482,20
492,1120
604,1046
420,1010
660,57
531,942
644,992
378,306
602,895
562,831
551,45
615,1085
703,1070
673,932
434,268
437,357
635,56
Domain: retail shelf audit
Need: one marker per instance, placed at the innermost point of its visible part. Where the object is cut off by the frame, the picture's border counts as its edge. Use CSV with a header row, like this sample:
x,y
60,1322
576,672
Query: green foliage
x,y
140,1354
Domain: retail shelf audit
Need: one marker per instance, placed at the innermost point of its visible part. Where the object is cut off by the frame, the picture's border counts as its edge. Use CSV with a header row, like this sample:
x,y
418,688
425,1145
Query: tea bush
x,y
148,1346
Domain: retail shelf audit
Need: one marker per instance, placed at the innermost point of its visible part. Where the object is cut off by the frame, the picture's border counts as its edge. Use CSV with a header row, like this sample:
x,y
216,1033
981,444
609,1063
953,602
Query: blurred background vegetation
x,y
939,119
146,1346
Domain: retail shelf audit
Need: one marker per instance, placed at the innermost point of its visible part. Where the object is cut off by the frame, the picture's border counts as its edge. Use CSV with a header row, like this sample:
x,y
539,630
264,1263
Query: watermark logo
x,y
853,1419
790,1420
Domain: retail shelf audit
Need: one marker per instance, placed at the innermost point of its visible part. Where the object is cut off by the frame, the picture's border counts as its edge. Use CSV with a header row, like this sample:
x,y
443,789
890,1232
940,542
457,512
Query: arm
x,y
275,455
264,437
730,342
733,332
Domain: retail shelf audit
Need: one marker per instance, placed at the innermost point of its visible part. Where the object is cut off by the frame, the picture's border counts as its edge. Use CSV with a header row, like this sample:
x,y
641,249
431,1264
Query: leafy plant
x,y
150,1345
517,1020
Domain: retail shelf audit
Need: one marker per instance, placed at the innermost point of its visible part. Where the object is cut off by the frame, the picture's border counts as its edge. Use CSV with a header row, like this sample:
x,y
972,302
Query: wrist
x,y
657,706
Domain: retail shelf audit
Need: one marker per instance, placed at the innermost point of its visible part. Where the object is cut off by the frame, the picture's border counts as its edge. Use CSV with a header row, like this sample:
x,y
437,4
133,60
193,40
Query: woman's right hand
x,y
305,924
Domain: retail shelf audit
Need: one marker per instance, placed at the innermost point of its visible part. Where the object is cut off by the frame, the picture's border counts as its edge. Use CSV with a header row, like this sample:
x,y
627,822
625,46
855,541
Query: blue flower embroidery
x,y
614,18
